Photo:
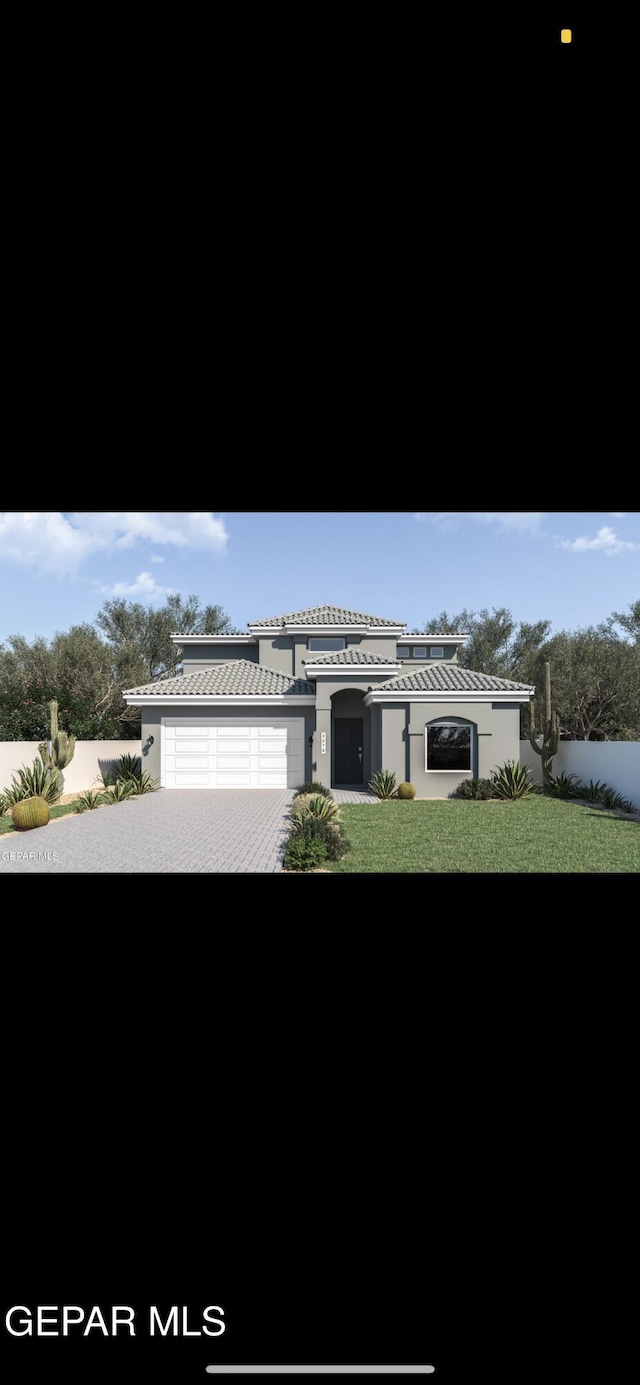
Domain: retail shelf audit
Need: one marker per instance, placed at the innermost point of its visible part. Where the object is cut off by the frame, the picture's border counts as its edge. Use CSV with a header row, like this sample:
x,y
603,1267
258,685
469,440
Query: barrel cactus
x,y
30,812
406,790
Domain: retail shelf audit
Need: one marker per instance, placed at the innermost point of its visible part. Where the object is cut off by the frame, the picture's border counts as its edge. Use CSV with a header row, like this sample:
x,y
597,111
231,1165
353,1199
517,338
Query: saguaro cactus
x,y
550,731
62,745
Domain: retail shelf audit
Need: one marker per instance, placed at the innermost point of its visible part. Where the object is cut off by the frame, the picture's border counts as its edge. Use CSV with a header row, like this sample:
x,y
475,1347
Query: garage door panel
x,y
241,755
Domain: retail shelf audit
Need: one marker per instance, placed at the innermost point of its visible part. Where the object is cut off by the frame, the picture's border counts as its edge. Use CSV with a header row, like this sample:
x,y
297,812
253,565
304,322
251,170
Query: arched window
x,y
449,745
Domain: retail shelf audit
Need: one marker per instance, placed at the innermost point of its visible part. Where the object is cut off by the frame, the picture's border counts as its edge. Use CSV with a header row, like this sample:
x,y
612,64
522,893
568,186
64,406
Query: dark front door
x,y
348,748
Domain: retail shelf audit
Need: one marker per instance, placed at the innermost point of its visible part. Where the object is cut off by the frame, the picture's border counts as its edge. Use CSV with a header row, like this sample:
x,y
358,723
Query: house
x,y
327,694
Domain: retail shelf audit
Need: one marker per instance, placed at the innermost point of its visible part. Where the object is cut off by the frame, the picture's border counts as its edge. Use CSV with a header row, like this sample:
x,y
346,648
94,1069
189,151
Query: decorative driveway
x,y
230,830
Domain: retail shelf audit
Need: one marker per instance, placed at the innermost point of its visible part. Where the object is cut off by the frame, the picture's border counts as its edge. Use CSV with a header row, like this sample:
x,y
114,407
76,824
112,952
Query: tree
x,y
629,620
140,637
497,644
596,683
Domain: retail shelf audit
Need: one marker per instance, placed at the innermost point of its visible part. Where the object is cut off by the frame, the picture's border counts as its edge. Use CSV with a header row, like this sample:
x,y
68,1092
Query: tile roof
x,y
239,677
350,656
326,615
450,678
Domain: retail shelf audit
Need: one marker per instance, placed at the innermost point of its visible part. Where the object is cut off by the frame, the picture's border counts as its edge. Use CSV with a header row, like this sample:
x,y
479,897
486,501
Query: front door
x,y
348,747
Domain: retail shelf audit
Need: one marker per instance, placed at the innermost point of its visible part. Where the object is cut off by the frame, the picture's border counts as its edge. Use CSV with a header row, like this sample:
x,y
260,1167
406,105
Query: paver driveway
x,y
173,830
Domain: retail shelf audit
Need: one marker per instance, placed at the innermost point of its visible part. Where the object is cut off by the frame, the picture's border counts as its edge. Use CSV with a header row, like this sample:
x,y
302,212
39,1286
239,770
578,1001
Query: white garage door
x,y
260,754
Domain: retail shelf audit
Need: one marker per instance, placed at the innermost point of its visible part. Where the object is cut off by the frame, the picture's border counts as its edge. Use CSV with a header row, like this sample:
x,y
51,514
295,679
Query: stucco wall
x,y
497,738
197,656
151,724
90,758
616,763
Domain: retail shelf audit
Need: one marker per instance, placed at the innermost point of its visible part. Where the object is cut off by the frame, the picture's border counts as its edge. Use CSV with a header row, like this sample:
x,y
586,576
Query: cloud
x,y
155,558
144,586
605,541
54,542
617,514
522,521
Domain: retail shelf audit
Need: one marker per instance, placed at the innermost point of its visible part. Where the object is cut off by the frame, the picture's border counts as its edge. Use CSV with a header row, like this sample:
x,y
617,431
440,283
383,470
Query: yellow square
x,y
565,36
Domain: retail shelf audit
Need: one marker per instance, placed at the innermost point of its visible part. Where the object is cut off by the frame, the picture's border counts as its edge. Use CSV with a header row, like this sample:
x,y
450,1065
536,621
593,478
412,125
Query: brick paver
x,y
239,830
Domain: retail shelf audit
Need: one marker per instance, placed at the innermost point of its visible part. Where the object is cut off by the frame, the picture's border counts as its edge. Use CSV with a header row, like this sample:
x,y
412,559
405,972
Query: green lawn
x,y
6,822
539,834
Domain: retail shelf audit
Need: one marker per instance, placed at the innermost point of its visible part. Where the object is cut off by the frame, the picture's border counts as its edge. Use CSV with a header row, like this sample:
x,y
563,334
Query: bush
x,y
313,787
406,790
383,784
475,788
303,853
145,784
329,834
87,801
36,782
30,812
4,805
512,780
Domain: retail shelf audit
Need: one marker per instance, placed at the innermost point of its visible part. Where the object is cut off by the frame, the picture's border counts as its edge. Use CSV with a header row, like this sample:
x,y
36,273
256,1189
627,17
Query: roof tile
x,y
450,678
326,615
350,656
239,677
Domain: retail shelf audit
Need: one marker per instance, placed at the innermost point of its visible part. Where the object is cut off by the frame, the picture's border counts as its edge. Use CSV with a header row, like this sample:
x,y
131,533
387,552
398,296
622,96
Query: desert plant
x,y
512,780
59,752
34,782
120,791
593,792
564,786
303,853
406,790
475,788
326,809
550,731
300,805
4,805
313,787
31,812
145,784
128,767
88,800
383,784
107,780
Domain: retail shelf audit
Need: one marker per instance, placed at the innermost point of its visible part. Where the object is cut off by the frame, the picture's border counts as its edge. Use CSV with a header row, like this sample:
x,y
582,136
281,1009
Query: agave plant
x,y
88,800
129,767
594,792
316,806
121,790
36,782
564,786
512,780
4,804
144,784
383,784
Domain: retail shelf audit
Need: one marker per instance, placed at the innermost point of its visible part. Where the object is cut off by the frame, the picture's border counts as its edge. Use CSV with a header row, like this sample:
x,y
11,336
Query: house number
x,y
323,742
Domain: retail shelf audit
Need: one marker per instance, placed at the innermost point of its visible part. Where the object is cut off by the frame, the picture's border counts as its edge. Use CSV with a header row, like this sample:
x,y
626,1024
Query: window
x,y
436,651
326,646
448,746
404,653
419,651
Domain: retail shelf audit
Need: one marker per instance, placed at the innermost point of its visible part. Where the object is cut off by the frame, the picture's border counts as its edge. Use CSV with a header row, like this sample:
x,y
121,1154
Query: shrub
x,y
406,790
36,782
313,787
383,784
4,805
330,834
475,788
303,853
300,805
315,806
128,767
30,812
564,786
512,780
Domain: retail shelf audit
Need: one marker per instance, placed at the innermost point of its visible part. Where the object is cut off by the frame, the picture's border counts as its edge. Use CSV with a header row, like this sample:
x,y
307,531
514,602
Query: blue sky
x,y
572,568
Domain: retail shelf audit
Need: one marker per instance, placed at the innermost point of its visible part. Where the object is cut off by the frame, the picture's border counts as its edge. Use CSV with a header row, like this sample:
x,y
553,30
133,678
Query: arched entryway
x,y
350,739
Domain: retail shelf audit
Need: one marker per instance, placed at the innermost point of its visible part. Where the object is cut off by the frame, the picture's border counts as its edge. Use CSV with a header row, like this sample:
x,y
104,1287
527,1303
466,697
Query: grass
x,y
539,834
6,822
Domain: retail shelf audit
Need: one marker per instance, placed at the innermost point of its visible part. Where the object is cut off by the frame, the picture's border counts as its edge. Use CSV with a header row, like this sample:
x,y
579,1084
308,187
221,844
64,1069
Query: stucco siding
x,y
277,652
395,739
496,738
197,656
